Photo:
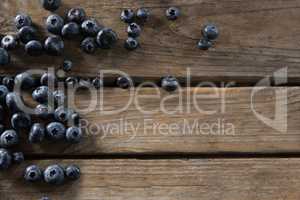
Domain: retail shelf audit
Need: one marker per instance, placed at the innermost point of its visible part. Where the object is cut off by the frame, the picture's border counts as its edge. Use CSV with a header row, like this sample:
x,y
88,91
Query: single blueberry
x,y
143,14
88,45
54,45
70,30
54,24
51,5
210,32
97,82
9,82
56,131
134,30
75,119
20,121
37,133
124,82
169,83
67,65
59,97
204,44
9,138
106,38
34,48
24,81
54,174
13,102
5,159
18,157
76,15
26,34
9,42
74,134
90,27
131,44
127,15
72,172
43,111
41,94
172,13
33,173
22,20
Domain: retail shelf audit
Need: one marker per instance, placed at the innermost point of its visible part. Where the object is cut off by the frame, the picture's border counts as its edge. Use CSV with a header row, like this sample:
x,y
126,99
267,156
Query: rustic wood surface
x,y
248,179
257,38
241,131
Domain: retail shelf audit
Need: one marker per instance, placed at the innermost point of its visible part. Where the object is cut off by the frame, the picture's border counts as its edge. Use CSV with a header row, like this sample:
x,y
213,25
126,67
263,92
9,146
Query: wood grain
x,y
248,179
257,38
228,127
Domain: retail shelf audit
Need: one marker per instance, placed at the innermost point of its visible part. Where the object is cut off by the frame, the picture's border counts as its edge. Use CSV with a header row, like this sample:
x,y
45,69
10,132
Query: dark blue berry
x,y
90,27
169,83
172,13
3,92
54,45
62,114
34,48
55,24
5,159
9,138
33,174
70,30
67,65
124,82
51,5
9,42
56,131
75,119
18,157
4,57
13,102
26,34
20,121
88,45
24,81
204,44
127,15
41,94
54,174
22,20
76,15
131,43
43,111
48,79
143,14
37,133
210,32
9,82
59,97
134,30
72,172
97,82
106,38
74,134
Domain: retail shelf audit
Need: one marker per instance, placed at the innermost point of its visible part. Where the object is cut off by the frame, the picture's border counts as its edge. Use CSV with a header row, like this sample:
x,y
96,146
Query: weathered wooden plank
x,y
257,38
160,125
248,179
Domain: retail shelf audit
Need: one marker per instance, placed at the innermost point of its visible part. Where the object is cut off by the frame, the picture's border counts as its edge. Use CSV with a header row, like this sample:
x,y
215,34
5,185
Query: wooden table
x,y
256,161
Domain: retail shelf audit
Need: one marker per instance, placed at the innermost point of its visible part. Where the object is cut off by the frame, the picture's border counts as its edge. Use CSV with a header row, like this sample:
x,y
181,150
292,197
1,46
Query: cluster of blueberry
x,y
133,29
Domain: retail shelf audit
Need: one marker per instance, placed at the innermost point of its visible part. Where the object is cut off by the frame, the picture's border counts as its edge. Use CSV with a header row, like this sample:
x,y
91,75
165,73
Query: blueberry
x,y
9,82
74,134
67,65
204,44
9,42
131,43
54,24
59,97
37,133
41,94
56,131
88,45
20,121
72,172
76,15
51,5
127,15
97,82
26,34
134,30
9,138
24,81
4,57
54,45
34,48
5,159
22,20
210,32
18,157
123,82
75,119
3,92
33,173
106,38
71,81
43,111
13,102
169,83
54,174
143,14
90,27
62,114
172,13
70,30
